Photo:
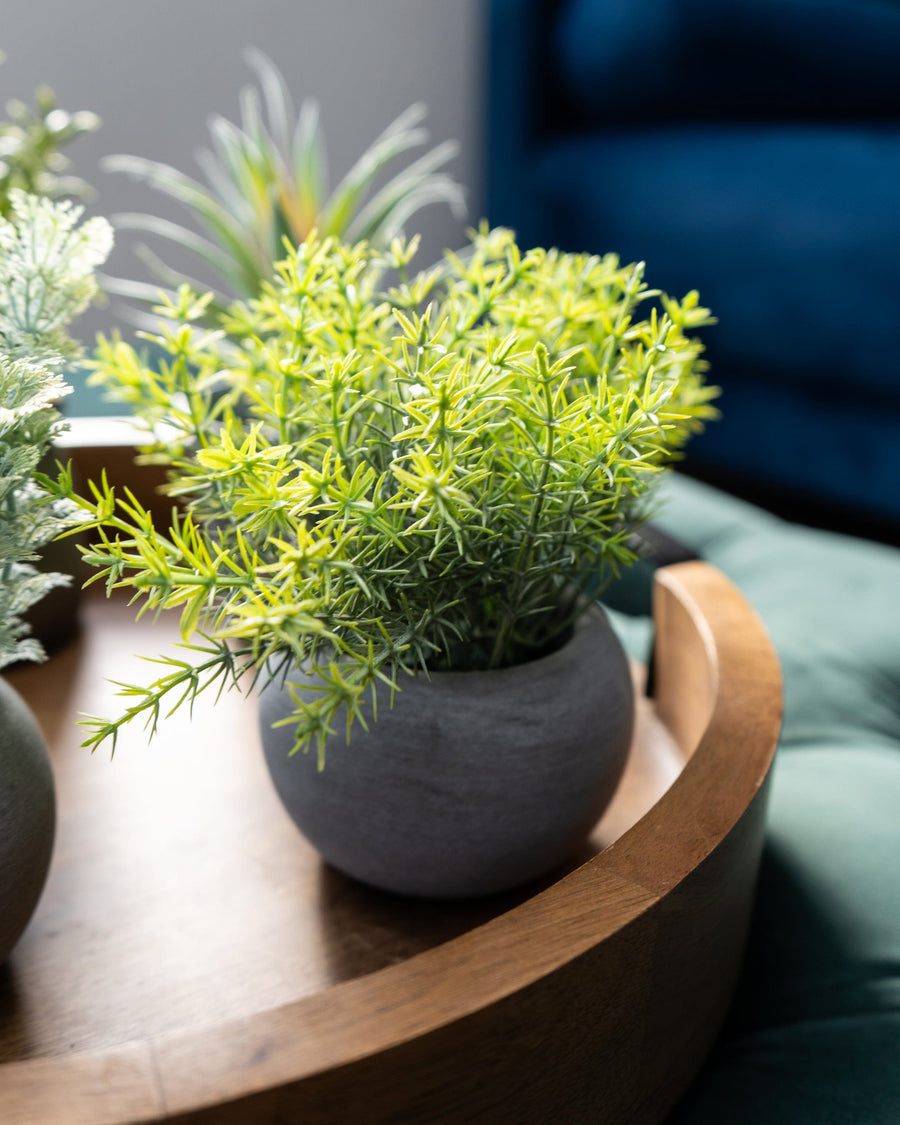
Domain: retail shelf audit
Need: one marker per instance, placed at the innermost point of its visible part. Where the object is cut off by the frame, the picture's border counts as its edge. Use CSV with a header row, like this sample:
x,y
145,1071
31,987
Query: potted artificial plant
x,y
399,504
46,278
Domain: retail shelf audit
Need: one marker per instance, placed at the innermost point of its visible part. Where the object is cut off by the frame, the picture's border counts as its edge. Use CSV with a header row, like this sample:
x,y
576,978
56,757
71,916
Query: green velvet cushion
x,y
831,605
814,1035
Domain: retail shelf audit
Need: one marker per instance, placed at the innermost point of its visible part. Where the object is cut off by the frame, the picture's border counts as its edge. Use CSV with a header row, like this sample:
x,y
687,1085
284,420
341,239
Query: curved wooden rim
x,y
207,1066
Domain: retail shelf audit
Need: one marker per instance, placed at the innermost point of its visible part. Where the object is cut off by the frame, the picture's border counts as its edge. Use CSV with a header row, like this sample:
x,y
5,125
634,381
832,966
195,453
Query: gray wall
x,y
155,73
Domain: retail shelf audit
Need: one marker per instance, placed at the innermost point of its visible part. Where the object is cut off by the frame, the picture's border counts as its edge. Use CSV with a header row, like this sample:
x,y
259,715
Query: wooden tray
x,y
192,960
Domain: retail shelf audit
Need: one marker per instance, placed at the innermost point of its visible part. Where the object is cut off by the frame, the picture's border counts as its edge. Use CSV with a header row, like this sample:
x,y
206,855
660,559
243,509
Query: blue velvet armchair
x,y
748,149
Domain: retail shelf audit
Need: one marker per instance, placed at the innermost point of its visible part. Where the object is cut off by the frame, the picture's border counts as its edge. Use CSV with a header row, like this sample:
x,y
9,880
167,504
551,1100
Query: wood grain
x,y
193,961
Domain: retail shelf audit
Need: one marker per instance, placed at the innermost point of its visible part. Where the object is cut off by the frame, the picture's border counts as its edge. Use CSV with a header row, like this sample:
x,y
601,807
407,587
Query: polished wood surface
x,y
192,960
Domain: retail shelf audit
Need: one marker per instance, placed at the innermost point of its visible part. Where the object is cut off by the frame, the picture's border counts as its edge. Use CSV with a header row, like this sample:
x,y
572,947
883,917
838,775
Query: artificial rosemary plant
x,y
380,483
46,278
268,182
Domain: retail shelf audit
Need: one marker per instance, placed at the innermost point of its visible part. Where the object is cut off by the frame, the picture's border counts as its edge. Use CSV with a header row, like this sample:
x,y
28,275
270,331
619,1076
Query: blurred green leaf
x,y
267,181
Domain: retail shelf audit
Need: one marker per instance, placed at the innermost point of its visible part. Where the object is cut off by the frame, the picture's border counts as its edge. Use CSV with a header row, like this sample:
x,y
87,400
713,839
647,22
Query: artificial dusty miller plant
x,y
388,482
46,278
268,182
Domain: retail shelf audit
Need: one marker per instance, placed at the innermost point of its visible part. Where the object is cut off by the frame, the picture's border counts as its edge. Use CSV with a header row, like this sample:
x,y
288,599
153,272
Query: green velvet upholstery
x,y
814,1034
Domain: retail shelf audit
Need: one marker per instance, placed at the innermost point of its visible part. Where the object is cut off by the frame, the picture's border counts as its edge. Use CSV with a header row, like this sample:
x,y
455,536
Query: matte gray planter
x,y
474,782
27,816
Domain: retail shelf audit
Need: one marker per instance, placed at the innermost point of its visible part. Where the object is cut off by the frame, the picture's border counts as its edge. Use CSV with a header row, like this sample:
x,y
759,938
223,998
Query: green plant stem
x,y
188,678
526,550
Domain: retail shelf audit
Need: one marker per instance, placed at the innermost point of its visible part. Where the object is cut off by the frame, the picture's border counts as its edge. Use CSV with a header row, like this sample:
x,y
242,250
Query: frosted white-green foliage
x,y
46,278
47,264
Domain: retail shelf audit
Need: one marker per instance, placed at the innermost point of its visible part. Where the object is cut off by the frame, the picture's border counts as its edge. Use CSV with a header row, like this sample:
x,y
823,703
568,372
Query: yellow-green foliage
x,y
385,481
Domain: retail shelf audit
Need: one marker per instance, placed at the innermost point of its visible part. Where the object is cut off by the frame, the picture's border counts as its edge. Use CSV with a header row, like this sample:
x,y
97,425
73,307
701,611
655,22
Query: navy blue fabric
x,y
827,441
657,59
799,260
791,234
750,150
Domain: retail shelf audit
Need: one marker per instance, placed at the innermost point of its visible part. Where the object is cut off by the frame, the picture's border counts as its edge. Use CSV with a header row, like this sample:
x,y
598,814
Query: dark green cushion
x,y
814,1035
831,604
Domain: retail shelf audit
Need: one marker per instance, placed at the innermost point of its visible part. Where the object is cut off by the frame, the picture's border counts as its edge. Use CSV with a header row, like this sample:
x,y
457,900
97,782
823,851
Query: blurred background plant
x,y
47,265
30,144
268,183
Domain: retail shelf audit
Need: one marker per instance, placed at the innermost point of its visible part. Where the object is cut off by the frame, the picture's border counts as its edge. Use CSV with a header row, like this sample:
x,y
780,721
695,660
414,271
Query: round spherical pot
x,y
474,782
27,816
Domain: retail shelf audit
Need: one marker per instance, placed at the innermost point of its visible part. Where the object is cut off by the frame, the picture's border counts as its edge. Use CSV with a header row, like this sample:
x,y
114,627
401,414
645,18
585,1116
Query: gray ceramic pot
x,y
27,816
474,782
